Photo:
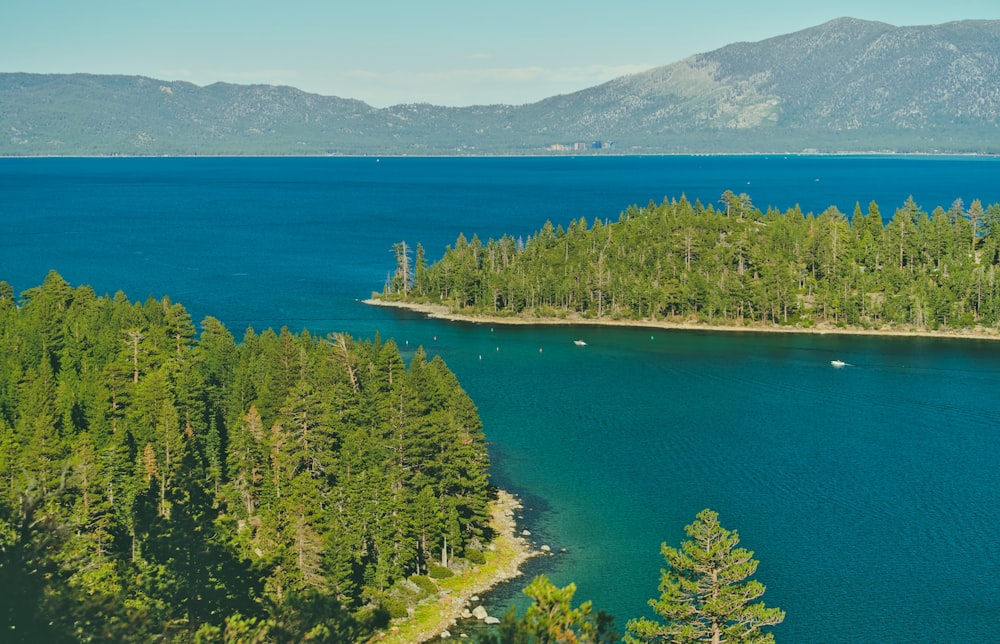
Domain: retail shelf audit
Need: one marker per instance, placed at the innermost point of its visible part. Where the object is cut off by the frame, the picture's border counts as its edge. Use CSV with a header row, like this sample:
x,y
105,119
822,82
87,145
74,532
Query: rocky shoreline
x,y
502,520
511,550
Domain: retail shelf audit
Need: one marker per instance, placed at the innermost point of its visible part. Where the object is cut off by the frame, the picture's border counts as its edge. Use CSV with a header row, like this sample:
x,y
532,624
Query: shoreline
x,y
442,312
499,155
458,594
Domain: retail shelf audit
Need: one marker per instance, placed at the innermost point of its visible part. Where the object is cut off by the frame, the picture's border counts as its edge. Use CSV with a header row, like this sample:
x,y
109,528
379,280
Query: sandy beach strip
x,y
441,312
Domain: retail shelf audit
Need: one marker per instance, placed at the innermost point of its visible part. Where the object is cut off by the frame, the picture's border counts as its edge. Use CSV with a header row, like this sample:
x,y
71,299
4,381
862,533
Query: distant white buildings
x,y
580,146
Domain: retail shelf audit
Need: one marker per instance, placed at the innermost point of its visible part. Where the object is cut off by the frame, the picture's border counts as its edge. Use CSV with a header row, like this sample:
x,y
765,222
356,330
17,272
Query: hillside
x,y
846,85
161,482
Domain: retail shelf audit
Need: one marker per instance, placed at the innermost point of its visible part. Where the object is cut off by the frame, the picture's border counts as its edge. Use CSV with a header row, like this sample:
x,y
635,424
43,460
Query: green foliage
x,y
552,618
736,265
157,485
395,606
31,582
312,616
705,591
475,557
439,572
424,583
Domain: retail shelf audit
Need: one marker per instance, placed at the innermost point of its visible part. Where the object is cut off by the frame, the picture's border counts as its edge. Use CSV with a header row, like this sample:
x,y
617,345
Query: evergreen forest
x,y
162,482
729,264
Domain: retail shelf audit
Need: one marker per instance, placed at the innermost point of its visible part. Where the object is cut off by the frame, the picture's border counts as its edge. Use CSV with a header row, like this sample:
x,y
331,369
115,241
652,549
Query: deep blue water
x,y
870,494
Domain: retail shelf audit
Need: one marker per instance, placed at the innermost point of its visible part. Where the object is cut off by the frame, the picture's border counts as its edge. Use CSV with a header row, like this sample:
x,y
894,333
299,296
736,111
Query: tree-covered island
x,y
727,265
158,483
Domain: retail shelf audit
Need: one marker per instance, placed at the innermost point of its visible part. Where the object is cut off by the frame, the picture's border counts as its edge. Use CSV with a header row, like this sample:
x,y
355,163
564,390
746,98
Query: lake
x,y
869,494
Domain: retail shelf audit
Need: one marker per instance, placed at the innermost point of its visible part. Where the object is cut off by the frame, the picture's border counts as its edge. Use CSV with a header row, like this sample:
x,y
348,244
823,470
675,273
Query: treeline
x,y
731,264
156,482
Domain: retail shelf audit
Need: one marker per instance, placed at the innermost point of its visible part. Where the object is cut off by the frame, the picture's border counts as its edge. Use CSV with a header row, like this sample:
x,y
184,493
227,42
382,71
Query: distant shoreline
x,y
441,312
510,155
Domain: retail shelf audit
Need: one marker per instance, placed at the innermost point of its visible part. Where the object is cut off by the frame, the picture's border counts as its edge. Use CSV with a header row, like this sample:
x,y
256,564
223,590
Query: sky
x,y
387,52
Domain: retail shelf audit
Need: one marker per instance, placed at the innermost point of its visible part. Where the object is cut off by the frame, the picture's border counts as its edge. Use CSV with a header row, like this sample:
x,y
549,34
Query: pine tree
x,y
246,463
89,548
42,459
33,597
199,575
551,618
705,592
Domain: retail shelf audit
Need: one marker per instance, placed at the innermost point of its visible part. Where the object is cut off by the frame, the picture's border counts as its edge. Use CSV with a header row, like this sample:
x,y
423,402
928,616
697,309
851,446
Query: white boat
x,y
838,363
579,343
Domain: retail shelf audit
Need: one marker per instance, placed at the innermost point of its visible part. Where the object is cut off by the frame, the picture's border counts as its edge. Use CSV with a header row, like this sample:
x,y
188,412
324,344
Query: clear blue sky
x,y
384,52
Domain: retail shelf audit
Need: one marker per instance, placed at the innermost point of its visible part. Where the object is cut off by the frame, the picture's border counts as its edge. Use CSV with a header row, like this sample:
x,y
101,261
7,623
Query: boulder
x,y
479,612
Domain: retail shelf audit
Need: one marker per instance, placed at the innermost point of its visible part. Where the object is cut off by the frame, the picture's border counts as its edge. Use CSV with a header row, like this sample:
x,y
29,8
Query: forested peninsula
x,y
729,266
161,483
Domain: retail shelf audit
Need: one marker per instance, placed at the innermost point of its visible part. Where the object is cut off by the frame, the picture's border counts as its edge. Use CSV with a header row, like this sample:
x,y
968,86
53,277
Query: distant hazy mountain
x,y
847,85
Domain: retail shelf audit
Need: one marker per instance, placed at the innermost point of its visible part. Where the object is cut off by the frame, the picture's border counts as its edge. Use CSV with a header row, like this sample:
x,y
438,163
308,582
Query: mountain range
x,y
844,86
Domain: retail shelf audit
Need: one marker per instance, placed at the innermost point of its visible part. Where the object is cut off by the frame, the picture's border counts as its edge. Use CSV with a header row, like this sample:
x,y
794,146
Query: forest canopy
x,y
156,481
730,264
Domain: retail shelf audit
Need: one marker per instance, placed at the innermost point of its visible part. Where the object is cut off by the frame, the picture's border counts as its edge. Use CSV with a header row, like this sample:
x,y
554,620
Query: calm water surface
x,y
870,494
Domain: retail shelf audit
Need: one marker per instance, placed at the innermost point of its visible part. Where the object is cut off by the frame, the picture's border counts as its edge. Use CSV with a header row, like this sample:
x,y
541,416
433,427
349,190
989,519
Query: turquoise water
x,y
868,493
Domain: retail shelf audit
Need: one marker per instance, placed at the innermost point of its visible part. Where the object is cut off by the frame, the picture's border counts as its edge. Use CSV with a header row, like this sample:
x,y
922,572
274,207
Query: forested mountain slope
x,y
846,85
155,481
732,264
